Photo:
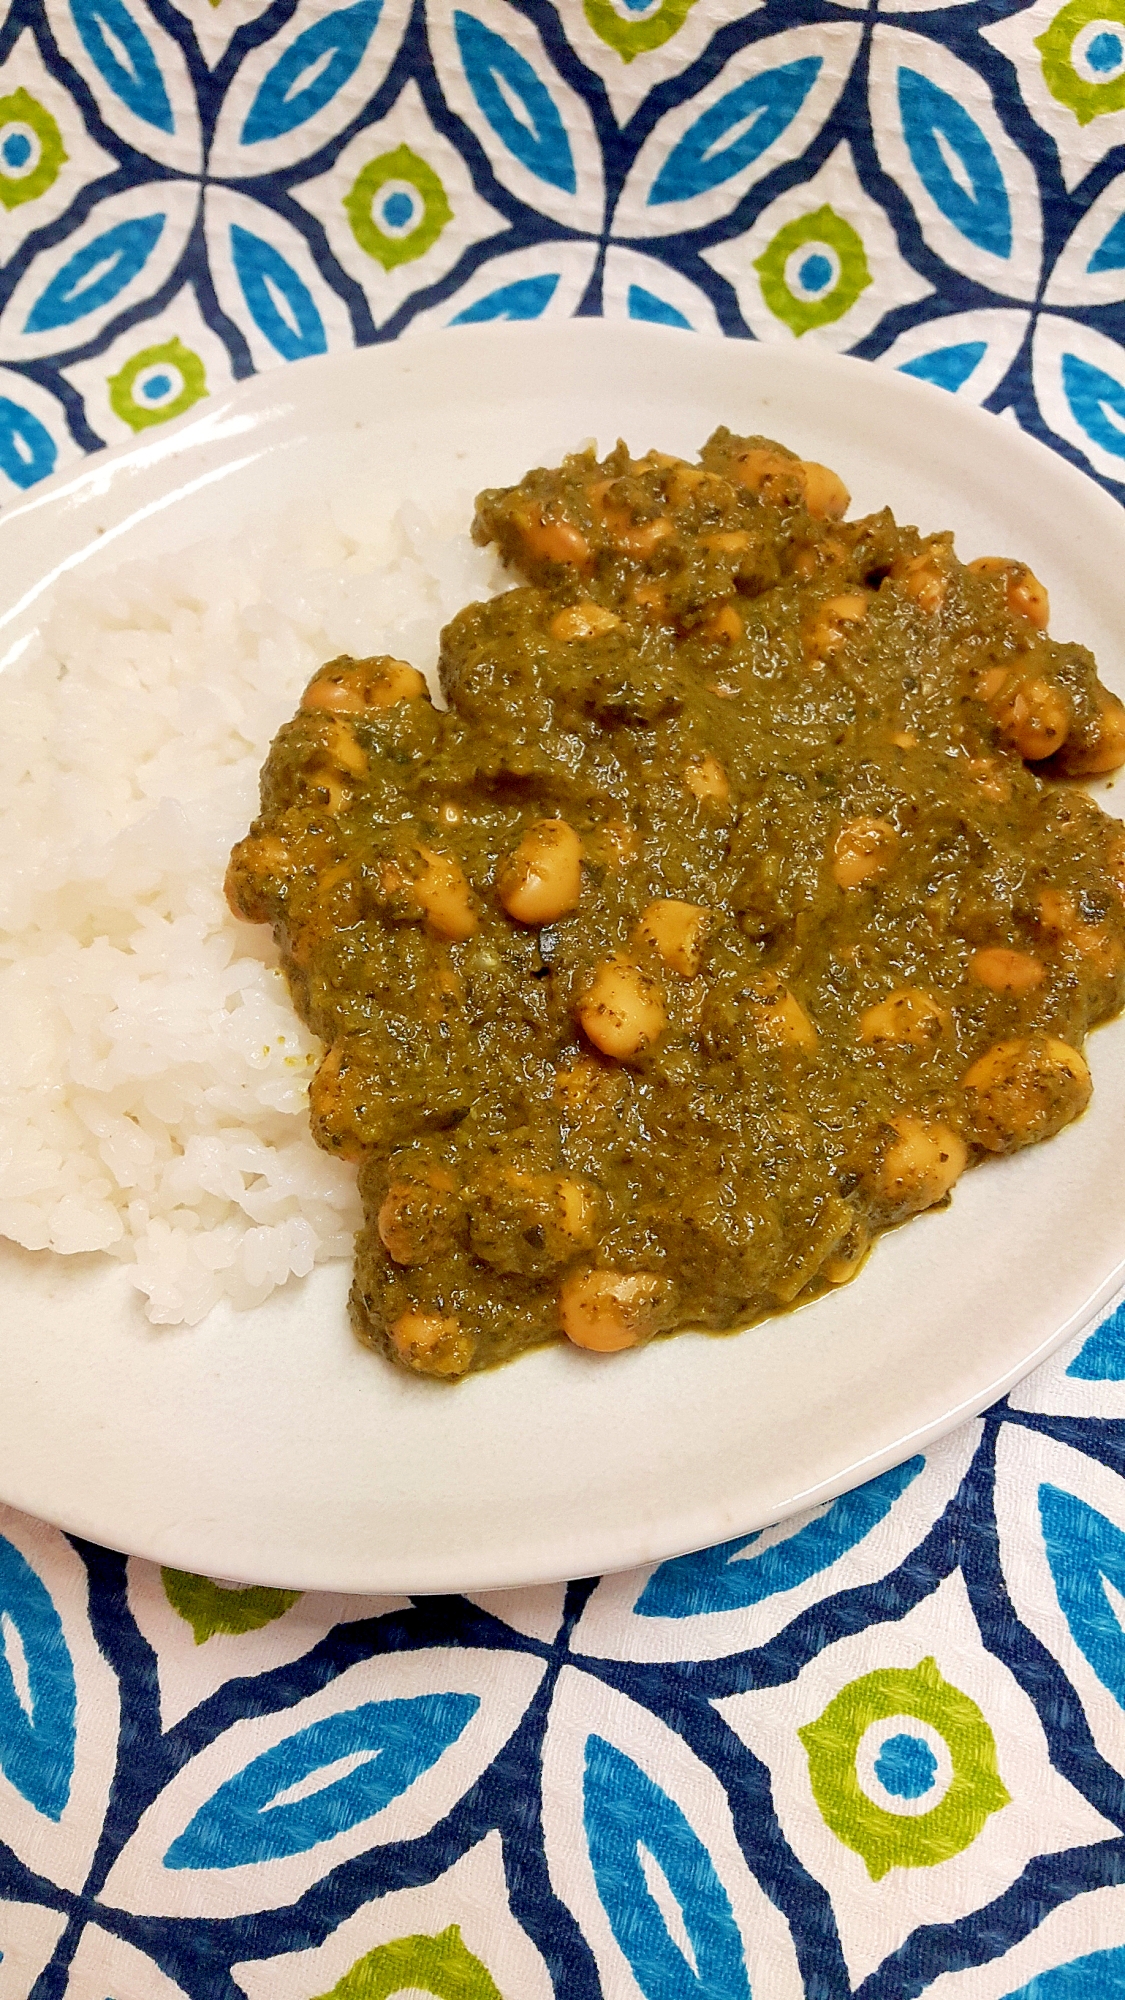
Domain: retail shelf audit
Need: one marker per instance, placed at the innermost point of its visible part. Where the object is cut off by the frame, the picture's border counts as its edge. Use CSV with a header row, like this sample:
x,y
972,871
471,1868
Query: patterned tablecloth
x,y
879,1749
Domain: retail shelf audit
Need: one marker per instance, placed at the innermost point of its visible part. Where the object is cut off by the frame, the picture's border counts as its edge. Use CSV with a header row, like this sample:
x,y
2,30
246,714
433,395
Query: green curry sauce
x,y
729,911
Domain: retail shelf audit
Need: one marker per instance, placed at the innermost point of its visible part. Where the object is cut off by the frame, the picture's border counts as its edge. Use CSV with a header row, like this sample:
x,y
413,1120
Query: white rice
x,y
153,1074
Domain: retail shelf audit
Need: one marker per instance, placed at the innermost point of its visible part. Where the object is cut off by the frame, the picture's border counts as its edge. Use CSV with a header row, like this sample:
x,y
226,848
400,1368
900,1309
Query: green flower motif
x,y
208,1608
31,149
158,384
636,38
1070,68
438,1965
413,209
835,259
904,1839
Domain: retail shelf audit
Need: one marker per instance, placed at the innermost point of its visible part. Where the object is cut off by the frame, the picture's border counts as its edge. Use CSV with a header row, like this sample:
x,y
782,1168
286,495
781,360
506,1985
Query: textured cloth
x,y
878,1749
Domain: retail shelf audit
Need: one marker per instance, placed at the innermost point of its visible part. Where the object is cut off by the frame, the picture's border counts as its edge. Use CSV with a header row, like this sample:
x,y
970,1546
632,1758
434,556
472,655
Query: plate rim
x,y
258,402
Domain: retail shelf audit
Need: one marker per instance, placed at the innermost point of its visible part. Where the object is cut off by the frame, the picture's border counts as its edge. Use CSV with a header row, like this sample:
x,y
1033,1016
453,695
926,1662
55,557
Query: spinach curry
x,y
726,915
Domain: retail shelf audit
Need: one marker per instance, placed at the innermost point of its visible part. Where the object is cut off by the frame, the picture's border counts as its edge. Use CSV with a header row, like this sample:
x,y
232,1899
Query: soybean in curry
x,y
729,911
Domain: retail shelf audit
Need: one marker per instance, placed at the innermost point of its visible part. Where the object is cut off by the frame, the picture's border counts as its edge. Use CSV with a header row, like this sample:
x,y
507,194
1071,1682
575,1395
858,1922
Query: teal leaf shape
x,y
27,450
1085,1550
122,55
982,212
1091,393
1110,253
37,1743
310,72
281,303
241,1824
754,115
96,274
1099,1976
946,367
643,304
526,298
496,74
1102,1357
628,1817
713,1580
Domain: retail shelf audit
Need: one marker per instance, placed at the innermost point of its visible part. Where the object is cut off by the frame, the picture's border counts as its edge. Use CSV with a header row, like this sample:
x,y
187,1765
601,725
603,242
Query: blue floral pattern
x,y
873,1750
942,191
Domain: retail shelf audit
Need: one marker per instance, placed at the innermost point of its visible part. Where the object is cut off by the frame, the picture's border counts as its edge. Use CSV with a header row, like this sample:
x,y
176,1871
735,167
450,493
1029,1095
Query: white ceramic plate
x,y
271,1447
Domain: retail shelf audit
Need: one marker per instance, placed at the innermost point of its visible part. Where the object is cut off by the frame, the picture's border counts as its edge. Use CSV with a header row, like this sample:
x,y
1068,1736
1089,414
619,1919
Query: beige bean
x,y
706,777
724,625
640,538
848,608
816,556
621,1010
583,621
630,537
336,790
920,1165
575,1087
1098,749
411,1215
553,541
1034,718
863,850
444,894
348,687
1024,1090
586,1088
923,579
343,750
1060,918
521,1221
731,542
907,1016
989,684
1026,597
330,1110
830,624
432,1343
651,597
826,496
678,931
1057,913
542,879
334,694
686,481
1004,971
267,853
606,1311
575,1210
567,1207
845,1261
256,866
778,1016
774,475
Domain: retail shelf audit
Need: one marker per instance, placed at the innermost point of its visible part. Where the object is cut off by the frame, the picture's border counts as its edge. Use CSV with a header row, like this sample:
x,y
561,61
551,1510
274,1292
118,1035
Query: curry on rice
x,y
727,914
